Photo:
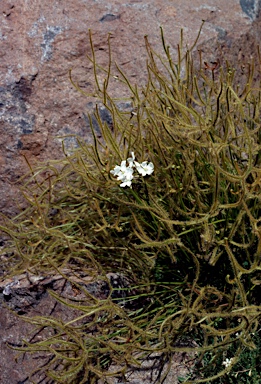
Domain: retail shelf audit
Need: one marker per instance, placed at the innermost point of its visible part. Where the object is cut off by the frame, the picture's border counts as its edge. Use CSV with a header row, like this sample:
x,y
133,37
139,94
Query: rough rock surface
x,y
41,40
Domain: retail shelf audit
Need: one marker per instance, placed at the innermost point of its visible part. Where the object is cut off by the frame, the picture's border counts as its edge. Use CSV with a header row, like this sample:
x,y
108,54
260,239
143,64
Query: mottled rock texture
x,y
41,40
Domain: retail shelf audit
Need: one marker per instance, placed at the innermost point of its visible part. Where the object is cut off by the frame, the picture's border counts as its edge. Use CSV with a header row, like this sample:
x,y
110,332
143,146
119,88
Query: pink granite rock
x,y
42,40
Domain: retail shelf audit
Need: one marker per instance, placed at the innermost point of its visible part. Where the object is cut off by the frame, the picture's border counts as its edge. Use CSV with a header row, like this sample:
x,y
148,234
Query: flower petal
x,y
144,168
131,159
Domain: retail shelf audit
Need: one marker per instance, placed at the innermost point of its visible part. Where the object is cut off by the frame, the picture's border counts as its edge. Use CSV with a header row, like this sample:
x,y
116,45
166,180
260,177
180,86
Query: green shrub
x,y
186,237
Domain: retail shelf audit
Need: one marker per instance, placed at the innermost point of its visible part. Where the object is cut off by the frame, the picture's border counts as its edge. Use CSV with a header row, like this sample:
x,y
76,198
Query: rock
x,y
41,42
251,8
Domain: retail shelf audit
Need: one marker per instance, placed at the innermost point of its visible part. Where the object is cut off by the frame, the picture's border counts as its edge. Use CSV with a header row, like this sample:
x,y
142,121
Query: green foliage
x,y
247,368
187,238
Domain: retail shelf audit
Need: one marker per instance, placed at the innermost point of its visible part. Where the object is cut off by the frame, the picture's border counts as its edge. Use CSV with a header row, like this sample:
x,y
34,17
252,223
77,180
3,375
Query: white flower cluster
x,y
124,172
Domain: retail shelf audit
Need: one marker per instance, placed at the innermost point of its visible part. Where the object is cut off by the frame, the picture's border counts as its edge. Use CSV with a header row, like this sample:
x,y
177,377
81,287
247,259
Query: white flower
x,y
131,159
118,168
123,173
126,177
227,362
125,183
144,168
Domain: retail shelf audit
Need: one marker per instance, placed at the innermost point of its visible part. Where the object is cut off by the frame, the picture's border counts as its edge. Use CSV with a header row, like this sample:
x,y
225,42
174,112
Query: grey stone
x,y
251,8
